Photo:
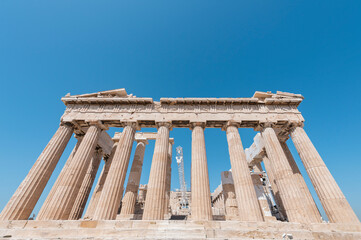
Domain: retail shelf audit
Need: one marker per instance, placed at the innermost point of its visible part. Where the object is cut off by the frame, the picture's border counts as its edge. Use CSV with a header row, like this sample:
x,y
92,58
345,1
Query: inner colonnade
x,y
275,116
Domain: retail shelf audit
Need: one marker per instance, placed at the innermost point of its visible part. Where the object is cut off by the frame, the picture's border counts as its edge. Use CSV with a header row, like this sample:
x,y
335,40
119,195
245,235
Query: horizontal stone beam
x,y
115,111
120,96
256,151
183,120
113,100
141,136
146,135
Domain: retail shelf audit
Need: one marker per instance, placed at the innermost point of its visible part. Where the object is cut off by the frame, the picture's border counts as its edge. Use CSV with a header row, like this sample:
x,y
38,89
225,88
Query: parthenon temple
x,y
263,195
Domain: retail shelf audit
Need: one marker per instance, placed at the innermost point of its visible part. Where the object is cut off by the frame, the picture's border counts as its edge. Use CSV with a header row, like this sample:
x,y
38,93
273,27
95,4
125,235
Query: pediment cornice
x,y
120,96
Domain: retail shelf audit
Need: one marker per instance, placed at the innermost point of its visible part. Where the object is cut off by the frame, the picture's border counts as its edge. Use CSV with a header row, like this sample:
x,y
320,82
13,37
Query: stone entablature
x,y
114,111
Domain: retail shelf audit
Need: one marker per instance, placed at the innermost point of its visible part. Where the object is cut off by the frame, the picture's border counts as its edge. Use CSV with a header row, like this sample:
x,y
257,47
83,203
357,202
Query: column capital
x,y
231,124
68,124
292,125
98,124
197,124
171,141
166,124
133,124
265,124
288,128
77,128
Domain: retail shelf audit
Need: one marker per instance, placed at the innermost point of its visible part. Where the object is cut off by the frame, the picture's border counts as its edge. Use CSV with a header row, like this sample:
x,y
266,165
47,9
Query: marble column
x,y
168,181
310,204
142,193
275,192
154,203
230,201
248,206
262,198
61,203
113,187
337,209
99,187
292,199
131,192
86,186
62,174
27,195
201,196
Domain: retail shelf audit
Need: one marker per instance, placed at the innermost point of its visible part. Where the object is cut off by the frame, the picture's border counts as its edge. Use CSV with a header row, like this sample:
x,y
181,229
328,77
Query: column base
x,y
129,217
167,216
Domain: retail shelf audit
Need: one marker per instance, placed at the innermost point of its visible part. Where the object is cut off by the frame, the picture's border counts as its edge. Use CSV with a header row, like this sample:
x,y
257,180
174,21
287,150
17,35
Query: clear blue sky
x,y
181,49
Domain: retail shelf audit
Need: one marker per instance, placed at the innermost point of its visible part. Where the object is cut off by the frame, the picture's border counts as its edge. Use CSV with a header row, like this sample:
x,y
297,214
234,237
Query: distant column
x,y
248,206
310,204
201,195
113,187
230,201
337,209
27,195
292,200
62,201
275,192
168,181
131,192
154,203
82,197
142,193
99,187
262,198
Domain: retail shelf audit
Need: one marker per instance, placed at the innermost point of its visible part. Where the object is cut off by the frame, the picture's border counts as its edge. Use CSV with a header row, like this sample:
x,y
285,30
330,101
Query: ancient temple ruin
x,y
275,197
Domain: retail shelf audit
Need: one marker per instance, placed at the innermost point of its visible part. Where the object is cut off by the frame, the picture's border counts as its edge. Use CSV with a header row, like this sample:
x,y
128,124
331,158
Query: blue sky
x,y
181,49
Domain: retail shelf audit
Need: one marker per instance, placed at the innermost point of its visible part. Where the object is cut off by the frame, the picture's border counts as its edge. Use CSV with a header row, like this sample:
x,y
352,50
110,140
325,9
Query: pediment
x,y
278,95
121,92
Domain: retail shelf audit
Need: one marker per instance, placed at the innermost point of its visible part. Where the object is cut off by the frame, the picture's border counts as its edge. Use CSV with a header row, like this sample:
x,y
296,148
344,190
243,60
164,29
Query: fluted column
x,y
292,199
272,180
27,195
131,192
86,186
248,206
337,209
62,174
89,214
154,203
310,204
61,203
168,181
201,195
230,201
113,187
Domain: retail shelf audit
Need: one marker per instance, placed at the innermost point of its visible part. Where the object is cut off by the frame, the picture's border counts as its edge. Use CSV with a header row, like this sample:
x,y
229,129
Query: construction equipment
x,y
182,182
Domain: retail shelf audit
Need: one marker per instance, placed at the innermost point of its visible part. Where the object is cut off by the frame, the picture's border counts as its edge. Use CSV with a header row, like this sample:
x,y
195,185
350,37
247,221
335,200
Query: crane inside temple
x,y
182,182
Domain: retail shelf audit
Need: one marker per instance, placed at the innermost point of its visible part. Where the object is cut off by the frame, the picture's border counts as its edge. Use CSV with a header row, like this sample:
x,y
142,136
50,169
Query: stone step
x,y
120,229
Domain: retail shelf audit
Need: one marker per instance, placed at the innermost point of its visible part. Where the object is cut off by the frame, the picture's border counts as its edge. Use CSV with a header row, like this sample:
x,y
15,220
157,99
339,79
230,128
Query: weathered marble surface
x,y
165,229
